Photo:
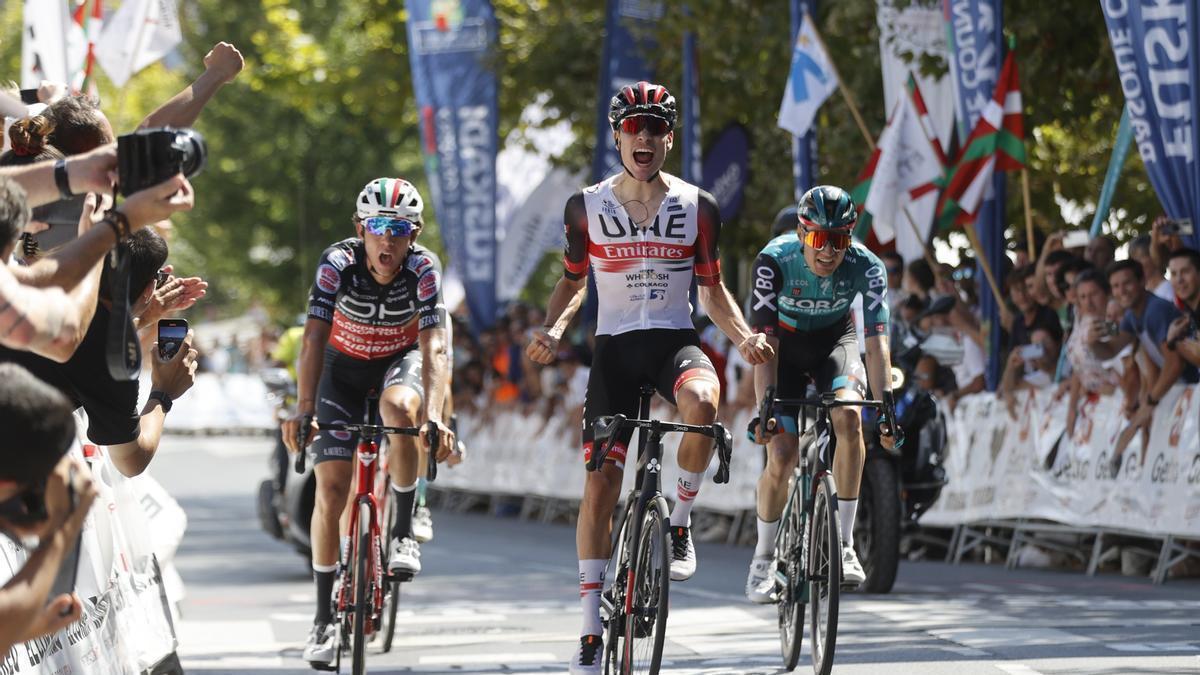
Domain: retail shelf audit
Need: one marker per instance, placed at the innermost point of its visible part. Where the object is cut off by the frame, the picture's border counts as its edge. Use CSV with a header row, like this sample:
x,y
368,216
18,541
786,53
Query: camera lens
x,y
192,151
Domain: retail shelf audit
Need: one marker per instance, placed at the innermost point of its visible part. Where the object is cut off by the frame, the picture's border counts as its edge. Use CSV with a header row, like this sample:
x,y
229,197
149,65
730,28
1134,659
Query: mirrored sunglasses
x,y
819,239
657,126
381,225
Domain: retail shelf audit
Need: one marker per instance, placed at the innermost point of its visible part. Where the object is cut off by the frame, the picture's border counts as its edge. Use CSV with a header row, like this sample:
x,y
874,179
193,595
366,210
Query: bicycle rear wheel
x,y
362,592
646,624
825,574
391,598
612,600
790,577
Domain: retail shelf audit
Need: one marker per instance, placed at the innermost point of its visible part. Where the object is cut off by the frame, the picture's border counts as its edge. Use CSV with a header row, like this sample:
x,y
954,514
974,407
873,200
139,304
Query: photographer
x,y
1184,335
36,483
111,405
1090,376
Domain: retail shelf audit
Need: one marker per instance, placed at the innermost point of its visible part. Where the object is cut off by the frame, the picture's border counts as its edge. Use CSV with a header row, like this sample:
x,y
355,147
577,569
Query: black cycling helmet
x,y
785,221
827,207
642,98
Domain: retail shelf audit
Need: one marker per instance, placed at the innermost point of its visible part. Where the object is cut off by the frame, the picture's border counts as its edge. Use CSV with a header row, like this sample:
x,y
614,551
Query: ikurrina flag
x,y
997,142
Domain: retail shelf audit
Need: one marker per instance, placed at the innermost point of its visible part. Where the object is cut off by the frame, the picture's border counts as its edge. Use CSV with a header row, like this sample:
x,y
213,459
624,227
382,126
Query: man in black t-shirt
x,y
111,405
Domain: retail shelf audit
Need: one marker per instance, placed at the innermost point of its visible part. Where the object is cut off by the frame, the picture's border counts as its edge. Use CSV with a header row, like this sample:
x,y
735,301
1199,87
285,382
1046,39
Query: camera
x,y
148,157
1181,227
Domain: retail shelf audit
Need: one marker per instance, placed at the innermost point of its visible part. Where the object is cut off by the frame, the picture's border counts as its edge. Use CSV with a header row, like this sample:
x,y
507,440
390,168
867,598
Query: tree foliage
x,y
325,103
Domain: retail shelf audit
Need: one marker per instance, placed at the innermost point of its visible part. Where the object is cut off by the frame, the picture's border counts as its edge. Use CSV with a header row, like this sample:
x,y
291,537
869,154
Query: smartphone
x,y
1032,352
1182,227
171,333
29,96
1111,328
1076,239
63,218
68,570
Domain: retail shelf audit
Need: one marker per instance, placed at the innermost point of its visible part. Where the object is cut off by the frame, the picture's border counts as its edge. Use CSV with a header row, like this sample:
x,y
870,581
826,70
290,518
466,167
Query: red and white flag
x,y
138,34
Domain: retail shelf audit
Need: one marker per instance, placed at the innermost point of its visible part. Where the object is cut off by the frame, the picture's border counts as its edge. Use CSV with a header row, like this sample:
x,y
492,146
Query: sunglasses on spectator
x,y
895,270
160,278
819,239
657,126
27,508
381,225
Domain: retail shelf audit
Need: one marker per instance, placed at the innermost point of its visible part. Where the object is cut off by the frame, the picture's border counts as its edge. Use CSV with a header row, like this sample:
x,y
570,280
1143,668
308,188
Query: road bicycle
x,y
808,545
634,601
366,596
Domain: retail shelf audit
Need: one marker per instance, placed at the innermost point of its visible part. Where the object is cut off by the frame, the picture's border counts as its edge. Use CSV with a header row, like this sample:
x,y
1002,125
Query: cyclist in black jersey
x,y
804,285
375,321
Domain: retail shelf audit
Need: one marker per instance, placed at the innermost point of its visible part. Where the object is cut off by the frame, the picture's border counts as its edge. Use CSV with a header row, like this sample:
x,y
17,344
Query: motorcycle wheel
x,y
877,525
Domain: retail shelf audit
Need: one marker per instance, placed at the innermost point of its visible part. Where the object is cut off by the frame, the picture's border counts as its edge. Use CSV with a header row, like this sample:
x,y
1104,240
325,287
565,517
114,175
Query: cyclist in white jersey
x,y
645,235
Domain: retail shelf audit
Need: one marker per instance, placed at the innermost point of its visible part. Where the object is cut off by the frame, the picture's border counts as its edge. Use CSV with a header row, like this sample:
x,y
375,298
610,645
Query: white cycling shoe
x,y
588,656
422,524
319,650
405,556
760,583
852,571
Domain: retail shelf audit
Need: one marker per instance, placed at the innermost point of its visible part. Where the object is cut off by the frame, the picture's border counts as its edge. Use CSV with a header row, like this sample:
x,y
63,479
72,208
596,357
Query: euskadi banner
x,y
1157,49
627,43
450,46
974,29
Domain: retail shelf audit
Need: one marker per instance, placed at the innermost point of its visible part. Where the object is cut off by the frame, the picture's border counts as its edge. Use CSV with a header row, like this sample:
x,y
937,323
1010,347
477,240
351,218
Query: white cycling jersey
x,y
643,275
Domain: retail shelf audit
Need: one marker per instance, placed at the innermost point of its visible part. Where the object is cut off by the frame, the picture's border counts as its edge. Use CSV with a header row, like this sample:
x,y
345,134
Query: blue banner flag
x,y
450,45
1157,49
627,41
804,148
691,111
975,31
727,170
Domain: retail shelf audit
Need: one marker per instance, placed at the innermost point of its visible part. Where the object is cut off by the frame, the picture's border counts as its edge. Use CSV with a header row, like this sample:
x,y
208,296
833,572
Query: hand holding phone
x,y
1032,352
171,333
1182,227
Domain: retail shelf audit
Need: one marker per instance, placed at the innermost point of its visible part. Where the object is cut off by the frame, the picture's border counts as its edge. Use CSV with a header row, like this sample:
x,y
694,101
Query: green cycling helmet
x,y
827,207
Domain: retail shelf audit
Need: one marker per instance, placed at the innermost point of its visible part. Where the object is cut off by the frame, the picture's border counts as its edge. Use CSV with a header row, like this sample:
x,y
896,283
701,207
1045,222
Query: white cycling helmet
x,y
394,197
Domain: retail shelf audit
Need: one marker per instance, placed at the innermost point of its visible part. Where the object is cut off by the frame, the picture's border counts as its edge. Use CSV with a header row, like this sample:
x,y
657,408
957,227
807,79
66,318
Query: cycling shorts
x,y
344,385
664,357
828,357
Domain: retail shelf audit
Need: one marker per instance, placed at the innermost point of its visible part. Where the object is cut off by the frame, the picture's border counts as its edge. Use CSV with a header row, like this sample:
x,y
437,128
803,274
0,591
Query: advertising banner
x,y
451,45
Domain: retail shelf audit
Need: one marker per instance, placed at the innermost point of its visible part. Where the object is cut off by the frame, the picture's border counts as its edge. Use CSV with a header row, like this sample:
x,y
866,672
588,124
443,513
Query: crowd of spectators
x,y
58,223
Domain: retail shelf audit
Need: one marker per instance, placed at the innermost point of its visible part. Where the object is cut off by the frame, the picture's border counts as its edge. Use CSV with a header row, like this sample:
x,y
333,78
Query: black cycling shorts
x,y
829,356
663,357
344,385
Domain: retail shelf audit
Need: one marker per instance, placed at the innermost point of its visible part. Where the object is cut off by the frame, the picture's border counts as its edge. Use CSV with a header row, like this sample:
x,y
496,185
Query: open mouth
x,y
385,259
643,157
825,260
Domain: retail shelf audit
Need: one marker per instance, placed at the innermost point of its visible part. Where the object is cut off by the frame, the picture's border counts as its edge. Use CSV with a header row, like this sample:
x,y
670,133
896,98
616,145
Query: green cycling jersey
x,y
787,297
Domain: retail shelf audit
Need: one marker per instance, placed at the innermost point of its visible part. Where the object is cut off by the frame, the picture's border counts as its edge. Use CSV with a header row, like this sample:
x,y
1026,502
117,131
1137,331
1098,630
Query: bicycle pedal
x,y
402,577
327,667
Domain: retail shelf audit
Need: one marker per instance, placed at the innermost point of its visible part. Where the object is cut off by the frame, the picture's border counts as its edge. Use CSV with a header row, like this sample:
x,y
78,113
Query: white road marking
x,y
990,638
1153,646
1016,669
496,659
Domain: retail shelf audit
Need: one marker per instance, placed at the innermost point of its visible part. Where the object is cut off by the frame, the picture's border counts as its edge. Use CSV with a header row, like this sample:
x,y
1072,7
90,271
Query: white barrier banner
x,y
126,624
999,467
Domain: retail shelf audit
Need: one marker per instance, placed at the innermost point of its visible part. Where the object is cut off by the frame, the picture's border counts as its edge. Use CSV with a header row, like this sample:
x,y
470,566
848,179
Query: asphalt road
x,y
499,595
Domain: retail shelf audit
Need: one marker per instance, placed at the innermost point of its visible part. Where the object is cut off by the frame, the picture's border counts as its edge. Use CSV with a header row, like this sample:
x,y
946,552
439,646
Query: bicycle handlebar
x,y
370,430
606,429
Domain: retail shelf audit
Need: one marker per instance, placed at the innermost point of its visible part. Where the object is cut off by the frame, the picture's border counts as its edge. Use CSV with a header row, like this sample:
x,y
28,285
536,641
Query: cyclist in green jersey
x,y
804,284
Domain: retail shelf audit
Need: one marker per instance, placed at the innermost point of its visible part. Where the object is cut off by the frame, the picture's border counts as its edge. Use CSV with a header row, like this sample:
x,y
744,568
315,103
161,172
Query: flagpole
x,y
862,127
973,235
1028,214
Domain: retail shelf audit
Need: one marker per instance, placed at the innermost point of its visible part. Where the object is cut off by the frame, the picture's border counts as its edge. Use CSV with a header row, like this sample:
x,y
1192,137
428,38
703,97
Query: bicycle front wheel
x,y
646,622
612,600
790,577
824,573
391,598
362,592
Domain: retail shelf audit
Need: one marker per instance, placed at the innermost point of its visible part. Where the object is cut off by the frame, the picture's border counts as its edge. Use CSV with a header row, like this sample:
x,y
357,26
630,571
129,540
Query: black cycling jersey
x,y
371,321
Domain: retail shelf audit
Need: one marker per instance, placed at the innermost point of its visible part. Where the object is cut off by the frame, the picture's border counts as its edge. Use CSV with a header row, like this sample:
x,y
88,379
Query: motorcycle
x,y
286,498
898,486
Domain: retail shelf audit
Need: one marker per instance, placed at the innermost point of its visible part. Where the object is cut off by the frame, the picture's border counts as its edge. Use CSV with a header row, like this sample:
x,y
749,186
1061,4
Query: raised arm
x,y
568,293
221,65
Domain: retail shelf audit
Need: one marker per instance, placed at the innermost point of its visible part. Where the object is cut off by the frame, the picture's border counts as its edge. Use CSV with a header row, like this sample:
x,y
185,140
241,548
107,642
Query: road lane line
x,y
497,659
1016,669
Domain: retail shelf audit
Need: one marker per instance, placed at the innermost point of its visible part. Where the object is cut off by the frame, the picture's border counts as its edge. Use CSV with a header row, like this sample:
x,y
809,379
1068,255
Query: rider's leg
x,y
848,461
400,406
773,489
333,489
696,399
593,537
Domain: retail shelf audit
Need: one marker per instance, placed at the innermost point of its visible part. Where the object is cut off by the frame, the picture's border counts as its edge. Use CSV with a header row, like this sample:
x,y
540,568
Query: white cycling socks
x,y
591,584
847,508
685,495
766,538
